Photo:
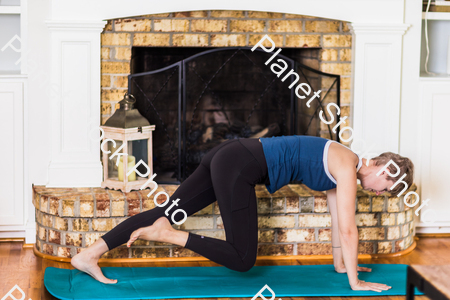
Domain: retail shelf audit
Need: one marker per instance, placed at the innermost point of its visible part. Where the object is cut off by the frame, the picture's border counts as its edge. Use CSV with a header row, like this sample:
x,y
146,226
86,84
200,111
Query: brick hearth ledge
x,y
293,221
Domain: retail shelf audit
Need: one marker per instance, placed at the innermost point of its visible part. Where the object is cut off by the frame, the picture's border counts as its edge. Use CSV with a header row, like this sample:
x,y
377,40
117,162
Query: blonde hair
x,y
405,165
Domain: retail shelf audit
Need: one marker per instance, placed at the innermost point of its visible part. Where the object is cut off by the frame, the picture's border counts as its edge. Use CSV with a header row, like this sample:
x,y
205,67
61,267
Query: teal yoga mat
x,y
211,282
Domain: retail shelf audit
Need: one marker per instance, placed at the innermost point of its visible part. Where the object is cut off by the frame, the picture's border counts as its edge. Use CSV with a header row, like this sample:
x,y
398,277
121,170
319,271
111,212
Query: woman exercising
x,y
228,173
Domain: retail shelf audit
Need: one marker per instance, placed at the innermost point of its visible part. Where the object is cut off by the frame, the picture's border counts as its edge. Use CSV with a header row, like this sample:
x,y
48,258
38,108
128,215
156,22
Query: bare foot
x,y
154,232
87,263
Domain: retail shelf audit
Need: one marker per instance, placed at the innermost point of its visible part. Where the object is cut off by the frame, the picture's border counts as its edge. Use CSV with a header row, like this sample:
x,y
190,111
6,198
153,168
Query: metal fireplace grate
x,y
220,94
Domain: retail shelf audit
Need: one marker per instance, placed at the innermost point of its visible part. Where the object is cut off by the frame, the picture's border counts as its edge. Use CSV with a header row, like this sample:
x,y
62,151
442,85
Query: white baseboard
x,y
20,231
437,227
12,234
30,233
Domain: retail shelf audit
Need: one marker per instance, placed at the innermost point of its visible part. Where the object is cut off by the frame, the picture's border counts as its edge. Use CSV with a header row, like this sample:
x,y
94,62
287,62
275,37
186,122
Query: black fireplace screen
x,y
220,94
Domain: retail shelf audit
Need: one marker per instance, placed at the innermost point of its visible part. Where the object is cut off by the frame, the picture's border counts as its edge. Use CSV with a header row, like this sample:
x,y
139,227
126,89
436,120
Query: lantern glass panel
x,y
139,149
112,168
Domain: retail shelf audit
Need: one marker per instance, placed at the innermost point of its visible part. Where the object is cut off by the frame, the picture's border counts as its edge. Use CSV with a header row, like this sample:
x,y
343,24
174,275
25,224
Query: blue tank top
x,y
298,157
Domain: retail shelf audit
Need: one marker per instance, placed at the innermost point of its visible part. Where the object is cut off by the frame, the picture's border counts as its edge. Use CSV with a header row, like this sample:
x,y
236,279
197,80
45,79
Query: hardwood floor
x,y
20,266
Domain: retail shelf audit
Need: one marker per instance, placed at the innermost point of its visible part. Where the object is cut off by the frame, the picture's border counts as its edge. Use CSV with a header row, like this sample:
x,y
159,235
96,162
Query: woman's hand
x,y
370,286
342,269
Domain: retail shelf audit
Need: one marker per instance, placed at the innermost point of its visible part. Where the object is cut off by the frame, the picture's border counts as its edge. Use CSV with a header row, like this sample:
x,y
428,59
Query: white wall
x,y
435,104
410,103
39,91
367,11
37,144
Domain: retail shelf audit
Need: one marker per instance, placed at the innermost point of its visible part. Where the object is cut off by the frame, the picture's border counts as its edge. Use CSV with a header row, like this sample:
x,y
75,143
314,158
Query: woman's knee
x,y
245,264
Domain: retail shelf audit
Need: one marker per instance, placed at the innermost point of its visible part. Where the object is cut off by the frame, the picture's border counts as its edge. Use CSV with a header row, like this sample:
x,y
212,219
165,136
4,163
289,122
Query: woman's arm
x,y
348,233
335,243
342,166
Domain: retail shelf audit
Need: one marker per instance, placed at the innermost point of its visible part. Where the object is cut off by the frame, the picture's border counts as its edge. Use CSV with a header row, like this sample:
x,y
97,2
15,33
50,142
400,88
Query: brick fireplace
x,y
325,43
146,43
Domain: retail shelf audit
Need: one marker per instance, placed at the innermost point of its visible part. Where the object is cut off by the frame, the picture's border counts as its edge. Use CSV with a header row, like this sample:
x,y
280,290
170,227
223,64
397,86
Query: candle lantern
x,y
130,132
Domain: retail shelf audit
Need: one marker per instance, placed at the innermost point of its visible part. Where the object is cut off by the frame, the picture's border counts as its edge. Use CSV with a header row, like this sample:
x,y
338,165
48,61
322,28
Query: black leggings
x,y
227,173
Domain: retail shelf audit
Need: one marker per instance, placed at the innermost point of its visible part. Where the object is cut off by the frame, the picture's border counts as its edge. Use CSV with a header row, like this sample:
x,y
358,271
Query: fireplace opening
x,y
201,97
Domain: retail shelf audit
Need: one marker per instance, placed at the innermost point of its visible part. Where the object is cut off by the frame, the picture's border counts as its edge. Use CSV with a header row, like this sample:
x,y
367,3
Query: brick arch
x,y
222,28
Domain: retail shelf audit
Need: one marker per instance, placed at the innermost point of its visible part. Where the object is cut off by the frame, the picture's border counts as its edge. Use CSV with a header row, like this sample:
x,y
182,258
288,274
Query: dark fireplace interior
x,y
201,97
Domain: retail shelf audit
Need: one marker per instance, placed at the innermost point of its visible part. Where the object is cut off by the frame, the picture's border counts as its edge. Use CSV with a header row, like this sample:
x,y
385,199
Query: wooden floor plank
x,y
4,249
20,266
33,293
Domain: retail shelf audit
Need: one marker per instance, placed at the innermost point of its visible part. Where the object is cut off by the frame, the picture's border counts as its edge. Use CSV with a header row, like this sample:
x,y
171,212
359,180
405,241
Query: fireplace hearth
x,y
199,98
